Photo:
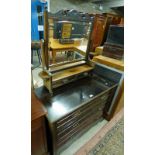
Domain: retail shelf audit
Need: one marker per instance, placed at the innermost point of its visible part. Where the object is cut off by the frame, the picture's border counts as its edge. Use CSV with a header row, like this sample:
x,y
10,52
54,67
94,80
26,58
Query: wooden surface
x,y
38,137
120,104
71,72
72,111
101,27
118,64
97,32
38,133
67,72
55,45
99,50
37,109
82,49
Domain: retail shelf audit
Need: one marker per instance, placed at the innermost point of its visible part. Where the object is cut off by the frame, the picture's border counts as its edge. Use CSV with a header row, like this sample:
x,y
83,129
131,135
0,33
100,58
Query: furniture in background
x,y
101,26
98,31
114,45
36,47
119,65
38,132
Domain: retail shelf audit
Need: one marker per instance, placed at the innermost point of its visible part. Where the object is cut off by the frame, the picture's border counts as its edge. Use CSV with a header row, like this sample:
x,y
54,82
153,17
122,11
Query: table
x,y
55,47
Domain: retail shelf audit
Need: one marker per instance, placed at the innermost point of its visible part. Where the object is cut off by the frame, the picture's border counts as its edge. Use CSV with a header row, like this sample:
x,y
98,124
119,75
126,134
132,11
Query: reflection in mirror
x,y
68,37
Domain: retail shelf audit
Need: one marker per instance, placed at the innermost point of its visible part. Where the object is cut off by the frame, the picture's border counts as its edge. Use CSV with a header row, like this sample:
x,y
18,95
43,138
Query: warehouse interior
x,y
90,6
77,77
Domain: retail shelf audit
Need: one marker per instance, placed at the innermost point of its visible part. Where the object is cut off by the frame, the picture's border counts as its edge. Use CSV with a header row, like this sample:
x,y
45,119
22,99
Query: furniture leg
x,y
53,56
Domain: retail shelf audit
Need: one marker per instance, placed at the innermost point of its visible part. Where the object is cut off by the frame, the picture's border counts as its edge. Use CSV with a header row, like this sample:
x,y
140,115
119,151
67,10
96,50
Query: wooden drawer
x,y
82,114
78,128
74,115
81,119
76,122
77,116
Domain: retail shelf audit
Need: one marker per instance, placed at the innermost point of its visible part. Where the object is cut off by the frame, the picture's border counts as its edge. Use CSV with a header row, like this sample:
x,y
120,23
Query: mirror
x,y
68,36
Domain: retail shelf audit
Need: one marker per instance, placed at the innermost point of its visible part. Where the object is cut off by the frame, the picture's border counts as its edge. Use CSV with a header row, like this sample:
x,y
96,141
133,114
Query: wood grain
x,y
38,133
71,72
118,64
37,109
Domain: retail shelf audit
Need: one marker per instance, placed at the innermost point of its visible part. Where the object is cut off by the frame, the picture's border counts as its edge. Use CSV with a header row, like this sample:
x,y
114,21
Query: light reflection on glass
x,y
59,108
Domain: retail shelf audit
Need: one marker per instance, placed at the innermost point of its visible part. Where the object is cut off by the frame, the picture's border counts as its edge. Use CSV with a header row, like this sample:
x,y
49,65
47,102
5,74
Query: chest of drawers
x,y
74,108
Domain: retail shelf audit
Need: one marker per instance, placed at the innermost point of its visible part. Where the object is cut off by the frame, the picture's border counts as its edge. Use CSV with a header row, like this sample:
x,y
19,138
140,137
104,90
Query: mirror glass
x,y
69,34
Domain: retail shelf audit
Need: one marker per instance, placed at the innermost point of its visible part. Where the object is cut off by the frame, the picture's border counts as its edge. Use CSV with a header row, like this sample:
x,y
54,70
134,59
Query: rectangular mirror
x,y
68,36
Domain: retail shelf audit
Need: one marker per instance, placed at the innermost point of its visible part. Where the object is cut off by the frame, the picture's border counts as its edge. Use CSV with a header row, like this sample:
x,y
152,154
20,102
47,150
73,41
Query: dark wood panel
x,y
36,124
80,120
100,28
79,128
38,140
37,109
38,134
98,31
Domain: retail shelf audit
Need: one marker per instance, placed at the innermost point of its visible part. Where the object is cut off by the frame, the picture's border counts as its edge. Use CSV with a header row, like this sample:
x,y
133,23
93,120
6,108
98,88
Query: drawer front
x,y
81,119
74,115
72,124
79,114
78,127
